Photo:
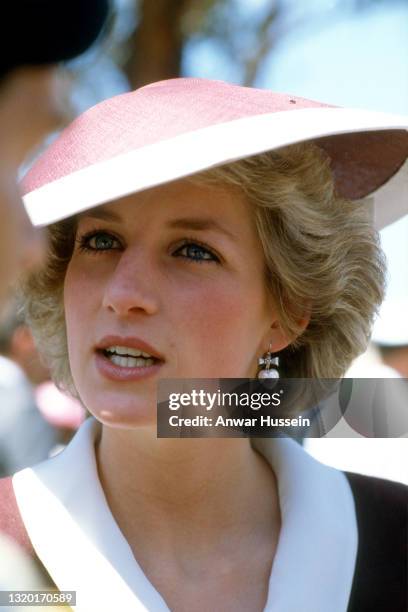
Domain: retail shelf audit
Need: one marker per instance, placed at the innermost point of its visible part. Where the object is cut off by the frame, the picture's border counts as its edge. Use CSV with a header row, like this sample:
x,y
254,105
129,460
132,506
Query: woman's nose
x,y
130,288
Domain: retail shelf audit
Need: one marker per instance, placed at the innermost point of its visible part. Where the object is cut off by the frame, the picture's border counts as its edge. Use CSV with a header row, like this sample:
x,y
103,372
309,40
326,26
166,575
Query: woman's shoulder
x,y
382,558
369,489
381,505
11,523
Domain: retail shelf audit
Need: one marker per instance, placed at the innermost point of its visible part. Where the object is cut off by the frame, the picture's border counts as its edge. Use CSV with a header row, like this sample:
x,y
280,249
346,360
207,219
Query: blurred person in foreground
x,y
33,103
38,34
211,231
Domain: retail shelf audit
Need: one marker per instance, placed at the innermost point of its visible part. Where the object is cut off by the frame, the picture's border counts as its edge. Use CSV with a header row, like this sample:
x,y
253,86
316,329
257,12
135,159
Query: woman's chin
x,y
134,414
126,420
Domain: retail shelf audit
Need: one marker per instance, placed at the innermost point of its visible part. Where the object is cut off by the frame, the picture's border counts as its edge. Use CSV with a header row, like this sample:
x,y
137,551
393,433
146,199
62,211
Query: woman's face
x,y
177,273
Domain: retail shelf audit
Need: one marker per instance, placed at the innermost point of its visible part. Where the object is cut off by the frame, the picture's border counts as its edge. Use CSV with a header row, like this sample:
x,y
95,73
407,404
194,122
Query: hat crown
x,y
153,113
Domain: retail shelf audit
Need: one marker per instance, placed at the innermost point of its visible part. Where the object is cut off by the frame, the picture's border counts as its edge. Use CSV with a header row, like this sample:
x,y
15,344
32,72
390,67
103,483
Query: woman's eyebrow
x,y
190,223
187,223
100,213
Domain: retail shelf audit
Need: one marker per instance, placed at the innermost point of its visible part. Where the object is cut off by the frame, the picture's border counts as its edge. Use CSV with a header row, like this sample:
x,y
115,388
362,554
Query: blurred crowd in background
x,y
37,419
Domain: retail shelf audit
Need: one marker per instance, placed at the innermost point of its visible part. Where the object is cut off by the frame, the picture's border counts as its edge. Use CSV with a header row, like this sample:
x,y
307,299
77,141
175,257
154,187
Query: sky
x,y
357,59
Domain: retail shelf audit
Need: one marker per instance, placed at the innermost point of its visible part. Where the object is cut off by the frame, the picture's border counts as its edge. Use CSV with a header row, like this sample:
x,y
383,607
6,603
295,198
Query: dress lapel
x,y
315,560
77,539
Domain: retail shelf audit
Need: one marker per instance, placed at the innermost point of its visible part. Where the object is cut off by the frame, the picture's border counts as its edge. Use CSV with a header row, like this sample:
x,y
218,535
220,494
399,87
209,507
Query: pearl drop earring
x,y
271,366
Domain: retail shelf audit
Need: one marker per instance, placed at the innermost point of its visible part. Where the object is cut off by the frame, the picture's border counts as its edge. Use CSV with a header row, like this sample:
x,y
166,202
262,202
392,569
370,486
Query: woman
x,y
173,262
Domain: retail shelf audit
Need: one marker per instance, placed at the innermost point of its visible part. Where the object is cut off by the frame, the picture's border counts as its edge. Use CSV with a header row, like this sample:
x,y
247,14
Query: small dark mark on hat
x,y
292,101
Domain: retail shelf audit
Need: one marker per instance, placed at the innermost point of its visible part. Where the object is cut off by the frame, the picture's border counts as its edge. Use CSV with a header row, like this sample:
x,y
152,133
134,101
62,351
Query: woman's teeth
x,y
130,362
127,357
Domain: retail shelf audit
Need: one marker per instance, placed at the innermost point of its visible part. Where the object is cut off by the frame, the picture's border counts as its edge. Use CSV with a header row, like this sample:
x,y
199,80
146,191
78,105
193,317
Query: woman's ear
x,y
276,338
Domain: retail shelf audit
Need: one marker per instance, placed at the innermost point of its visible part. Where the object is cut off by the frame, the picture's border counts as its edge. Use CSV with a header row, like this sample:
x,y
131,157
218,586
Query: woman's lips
x,y
131,342
116,372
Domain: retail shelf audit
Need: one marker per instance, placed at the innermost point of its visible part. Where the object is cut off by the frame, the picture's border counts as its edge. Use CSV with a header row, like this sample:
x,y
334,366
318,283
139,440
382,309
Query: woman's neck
x,y
178,493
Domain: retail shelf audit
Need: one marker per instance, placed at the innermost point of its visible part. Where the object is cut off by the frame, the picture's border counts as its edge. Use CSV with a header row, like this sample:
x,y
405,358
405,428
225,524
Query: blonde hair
x,y
322,257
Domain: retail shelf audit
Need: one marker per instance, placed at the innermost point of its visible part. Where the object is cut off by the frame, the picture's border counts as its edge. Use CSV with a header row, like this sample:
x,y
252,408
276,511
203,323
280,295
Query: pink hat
x,y
175,128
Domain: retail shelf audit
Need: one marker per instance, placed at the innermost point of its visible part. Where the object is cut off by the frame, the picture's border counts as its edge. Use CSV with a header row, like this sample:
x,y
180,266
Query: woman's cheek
x,y
83,286
214,333
80,299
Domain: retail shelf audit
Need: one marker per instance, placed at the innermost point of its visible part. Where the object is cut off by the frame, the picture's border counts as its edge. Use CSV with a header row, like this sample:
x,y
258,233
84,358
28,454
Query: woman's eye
x,y
98,241
195,252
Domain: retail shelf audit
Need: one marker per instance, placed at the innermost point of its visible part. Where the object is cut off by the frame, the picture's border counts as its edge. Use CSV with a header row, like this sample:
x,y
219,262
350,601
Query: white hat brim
x,y
215,145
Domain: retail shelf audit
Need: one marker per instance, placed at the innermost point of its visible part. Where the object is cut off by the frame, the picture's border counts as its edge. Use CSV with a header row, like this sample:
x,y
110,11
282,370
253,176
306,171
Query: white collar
x,y
76,537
